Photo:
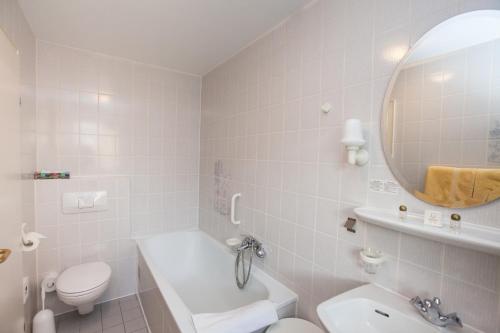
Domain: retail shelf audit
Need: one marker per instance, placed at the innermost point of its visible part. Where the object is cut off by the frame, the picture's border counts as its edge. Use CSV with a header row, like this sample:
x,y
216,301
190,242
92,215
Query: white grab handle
x,y
233,208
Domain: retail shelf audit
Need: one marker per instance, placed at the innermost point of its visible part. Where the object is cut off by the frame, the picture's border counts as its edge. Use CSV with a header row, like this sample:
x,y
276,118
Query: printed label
x,y
433,218
391,187
377,185
384,186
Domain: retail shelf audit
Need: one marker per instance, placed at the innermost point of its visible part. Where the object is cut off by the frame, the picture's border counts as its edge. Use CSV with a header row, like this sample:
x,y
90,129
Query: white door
x,y
11,303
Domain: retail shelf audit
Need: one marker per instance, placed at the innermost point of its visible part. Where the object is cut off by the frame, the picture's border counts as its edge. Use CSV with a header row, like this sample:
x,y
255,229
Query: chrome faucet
x,y
431,311
255,245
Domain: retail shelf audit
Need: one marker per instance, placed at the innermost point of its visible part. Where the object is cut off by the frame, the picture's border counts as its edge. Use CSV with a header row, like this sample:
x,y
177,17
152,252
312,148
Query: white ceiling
x,y
187,35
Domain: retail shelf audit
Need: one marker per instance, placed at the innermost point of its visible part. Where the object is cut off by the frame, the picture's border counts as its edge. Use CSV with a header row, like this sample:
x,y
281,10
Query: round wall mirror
x,y
440,124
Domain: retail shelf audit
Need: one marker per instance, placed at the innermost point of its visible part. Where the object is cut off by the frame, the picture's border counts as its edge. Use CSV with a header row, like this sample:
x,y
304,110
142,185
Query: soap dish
x,y
233,243
372,259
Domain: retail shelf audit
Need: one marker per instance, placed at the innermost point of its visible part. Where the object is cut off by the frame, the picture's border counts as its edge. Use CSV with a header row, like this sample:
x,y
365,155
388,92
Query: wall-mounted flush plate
x,y
26,289
82,202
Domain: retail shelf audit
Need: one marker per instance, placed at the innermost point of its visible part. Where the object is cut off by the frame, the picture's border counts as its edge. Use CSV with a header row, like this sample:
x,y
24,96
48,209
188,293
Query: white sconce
x,y
354,141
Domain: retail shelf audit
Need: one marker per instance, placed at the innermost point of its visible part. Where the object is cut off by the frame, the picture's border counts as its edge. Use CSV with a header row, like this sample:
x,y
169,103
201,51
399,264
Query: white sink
x,y
373,309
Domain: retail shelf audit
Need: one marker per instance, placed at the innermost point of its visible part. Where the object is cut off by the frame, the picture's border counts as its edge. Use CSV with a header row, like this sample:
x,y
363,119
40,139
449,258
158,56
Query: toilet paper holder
x,y
30,240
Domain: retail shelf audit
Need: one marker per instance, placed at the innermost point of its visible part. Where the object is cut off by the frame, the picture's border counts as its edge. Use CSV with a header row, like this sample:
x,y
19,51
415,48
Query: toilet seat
x,y
83,279
293,325
82,285
82,293
83,298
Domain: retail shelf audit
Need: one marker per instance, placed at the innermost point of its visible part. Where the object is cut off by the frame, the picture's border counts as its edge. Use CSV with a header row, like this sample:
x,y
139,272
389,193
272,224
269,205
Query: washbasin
x,y
365,315
374,309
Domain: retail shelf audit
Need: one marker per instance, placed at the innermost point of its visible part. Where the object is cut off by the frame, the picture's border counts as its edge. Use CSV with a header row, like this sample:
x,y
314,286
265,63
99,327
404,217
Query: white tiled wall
x,y
262,126
130,128
17,29
448,112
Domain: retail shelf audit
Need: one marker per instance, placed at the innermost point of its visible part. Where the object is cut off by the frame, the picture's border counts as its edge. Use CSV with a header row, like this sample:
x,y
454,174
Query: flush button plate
x,y
84,202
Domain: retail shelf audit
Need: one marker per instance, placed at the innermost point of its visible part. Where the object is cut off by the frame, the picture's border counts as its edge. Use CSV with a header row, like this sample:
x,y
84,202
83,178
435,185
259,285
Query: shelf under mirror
x,y
471,236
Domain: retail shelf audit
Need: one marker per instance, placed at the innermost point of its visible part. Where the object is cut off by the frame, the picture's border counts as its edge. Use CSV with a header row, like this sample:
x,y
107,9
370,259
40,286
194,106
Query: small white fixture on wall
x,y
326,107
84,202
354,141
372,259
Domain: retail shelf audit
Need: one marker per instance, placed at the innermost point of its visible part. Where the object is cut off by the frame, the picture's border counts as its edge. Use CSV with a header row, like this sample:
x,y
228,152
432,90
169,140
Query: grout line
x,y
143,313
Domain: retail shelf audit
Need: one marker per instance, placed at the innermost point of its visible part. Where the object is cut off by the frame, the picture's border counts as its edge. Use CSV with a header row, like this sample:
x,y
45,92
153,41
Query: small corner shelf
x,y
51,175
471,236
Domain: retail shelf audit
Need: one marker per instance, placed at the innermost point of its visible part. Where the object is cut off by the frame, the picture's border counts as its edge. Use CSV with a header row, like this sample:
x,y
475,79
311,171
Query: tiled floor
x,y
122,315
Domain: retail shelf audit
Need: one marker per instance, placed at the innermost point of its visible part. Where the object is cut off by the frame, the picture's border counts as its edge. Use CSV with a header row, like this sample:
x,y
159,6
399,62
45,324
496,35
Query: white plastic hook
x,y
327,107
233,208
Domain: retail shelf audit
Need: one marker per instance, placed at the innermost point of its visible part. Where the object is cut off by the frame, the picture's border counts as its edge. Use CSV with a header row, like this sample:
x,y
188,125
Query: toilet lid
x,y
294,325
80,278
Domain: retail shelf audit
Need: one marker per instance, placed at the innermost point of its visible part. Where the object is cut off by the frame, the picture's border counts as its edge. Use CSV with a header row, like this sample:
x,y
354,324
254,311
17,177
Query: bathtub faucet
x,y
241,273
249,242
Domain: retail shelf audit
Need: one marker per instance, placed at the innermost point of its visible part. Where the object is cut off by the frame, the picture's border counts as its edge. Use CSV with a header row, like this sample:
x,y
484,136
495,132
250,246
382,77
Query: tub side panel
x,y
157,313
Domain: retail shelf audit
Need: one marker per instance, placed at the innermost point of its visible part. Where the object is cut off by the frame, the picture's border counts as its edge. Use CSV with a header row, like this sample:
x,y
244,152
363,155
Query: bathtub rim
x,y
278,293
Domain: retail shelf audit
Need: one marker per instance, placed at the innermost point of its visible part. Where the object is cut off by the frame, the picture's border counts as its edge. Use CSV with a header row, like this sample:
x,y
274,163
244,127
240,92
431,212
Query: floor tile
x,y
117,316
91,327
68,330
111,311
144,330
115,329
110,321
128,298
110,308
110,304
73,315
95,316
131,314
134,325
68,324
129,304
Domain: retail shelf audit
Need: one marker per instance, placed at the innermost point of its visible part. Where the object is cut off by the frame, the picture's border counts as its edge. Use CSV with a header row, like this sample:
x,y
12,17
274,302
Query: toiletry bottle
x,y
455,222
403,212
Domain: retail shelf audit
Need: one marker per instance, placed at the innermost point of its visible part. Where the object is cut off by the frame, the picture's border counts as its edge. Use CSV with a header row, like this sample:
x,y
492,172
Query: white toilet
x,y
294,325
81,285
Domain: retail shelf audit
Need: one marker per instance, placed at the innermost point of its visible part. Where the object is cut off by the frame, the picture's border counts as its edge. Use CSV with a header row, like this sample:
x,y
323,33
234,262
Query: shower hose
x,y
242,280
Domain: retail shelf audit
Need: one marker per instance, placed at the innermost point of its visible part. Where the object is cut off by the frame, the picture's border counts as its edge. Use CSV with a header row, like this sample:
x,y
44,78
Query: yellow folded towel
x,y
487,185
460,187
449,186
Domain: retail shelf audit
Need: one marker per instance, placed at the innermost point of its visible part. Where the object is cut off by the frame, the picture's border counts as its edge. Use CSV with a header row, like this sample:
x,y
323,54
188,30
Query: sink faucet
x,y
430,310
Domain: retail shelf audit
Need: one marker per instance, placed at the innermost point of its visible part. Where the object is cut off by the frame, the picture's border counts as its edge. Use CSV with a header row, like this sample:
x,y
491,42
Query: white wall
x,y
261,119
17,29
125,127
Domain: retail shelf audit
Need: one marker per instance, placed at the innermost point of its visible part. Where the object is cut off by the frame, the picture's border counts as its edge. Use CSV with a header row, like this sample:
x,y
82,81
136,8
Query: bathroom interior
x,y
285,166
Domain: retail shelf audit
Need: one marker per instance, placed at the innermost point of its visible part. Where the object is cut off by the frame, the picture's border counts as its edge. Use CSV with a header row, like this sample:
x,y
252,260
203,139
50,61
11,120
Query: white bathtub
x,y
188,272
